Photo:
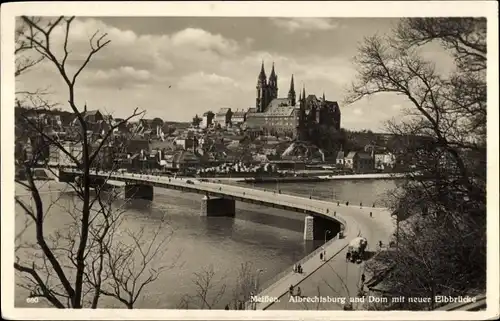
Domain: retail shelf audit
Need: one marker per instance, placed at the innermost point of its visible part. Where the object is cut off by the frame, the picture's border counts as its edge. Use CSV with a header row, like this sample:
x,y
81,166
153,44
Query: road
x,y
329,279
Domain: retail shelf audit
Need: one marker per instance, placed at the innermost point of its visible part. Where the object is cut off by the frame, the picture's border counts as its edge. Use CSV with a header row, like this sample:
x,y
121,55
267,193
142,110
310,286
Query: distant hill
x,y
67,116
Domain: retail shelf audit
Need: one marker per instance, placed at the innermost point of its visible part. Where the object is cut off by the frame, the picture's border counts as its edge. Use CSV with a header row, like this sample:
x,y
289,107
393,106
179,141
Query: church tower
x,y
273,85
262,91
302,128
291,93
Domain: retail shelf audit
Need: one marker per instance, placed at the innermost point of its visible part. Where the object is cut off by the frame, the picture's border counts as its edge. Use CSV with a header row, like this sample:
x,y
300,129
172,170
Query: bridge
x,y
219,199
355,221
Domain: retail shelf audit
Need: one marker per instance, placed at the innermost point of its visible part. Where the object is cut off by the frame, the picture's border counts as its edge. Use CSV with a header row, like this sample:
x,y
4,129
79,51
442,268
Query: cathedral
x,y
287,116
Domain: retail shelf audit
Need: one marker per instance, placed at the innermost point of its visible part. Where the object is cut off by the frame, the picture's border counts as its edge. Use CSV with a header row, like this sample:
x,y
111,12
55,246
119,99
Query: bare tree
x,y
209,291
211,288
444,137
89,258
247,282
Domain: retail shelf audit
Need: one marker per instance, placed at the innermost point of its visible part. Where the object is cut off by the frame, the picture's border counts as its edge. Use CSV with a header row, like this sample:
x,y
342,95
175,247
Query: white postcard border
x,y
387,9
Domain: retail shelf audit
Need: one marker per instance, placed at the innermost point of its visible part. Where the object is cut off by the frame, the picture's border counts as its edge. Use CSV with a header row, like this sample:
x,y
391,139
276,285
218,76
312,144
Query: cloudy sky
x,y
175,68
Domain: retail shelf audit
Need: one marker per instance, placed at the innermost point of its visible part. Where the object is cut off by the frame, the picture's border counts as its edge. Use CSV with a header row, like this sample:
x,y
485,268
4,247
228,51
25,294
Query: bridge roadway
x,y
249,195
333,278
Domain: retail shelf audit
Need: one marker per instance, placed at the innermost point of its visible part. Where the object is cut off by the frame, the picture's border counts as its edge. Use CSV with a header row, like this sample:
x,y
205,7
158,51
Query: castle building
x,y
286,116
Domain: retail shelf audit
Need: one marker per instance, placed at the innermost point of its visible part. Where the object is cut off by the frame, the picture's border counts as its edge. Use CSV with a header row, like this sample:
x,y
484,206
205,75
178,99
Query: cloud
x,y
123,77
186,71
203,40
201,81
155,53
305,24
357,111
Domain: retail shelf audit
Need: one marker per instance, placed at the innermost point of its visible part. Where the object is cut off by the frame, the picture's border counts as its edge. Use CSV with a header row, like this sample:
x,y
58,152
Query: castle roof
x,y
281,111
278,102
274,112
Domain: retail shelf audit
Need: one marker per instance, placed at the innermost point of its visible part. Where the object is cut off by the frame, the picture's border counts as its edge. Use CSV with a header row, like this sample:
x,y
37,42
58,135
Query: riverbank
x,y
295,179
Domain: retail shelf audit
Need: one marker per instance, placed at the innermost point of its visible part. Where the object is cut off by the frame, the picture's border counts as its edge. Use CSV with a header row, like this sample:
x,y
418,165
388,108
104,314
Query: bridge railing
x,y
315,196
274,281
294,201
327,208
299,201
312,195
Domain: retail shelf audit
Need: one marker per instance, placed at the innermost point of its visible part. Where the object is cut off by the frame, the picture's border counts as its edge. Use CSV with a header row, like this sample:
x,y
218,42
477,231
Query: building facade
x,y
223,117
287,116
359,162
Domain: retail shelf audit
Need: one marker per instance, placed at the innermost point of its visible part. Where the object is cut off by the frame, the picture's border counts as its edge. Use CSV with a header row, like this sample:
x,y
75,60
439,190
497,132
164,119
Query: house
x,y
238,117
384,161
58,157
359,162
186,141
223,117
92,116
340,159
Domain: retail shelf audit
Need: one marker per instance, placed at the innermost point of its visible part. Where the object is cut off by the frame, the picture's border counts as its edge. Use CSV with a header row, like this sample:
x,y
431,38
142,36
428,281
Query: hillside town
x,y
277,136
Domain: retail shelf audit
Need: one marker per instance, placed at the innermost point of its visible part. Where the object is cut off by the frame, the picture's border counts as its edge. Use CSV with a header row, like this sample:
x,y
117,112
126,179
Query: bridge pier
x,y
217,206
139,191
319,228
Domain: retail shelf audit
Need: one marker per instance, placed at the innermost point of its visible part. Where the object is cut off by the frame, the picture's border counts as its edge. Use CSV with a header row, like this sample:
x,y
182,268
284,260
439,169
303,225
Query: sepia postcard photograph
x,y
237,160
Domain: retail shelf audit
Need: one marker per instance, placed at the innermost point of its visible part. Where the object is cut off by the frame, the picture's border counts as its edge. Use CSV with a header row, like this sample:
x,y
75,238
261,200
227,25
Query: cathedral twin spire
x,y
266,91
262,75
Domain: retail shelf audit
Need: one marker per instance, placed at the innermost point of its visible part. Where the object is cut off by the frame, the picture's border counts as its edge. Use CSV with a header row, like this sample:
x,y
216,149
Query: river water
x,y
270,239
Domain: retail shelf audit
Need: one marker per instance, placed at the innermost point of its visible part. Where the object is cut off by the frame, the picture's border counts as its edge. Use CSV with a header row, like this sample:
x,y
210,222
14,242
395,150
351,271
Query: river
x,y
271,239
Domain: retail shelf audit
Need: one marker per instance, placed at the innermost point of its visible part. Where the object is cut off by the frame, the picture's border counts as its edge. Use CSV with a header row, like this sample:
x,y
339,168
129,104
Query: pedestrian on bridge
x,y
321,256
291,290
363,278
